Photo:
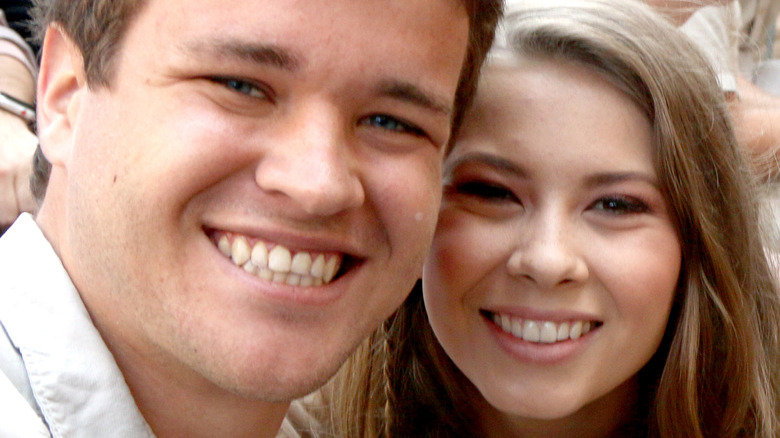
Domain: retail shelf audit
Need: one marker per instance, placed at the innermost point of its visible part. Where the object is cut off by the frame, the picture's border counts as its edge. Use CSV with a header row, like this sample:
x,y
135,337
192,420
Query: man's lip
x,y
311,240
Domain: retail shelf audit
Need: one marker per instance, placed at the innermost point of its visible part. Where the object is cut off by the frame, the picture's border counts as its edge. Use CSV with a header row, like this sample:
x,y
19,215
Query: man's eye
x,y
620,205
241,86
484,190
392,124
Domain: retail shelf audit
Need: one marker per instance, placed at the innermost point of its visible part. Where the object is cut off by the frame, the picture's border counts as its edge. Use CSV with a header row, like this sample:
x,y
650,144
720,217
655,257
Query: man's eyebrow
x,y
496,162
266,54
276,56
415,95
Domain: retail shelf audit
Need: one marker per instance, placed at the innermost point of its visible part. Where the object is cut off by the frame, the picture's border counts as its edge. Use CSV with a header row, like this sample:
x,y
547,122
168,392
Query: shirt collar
x,y
74,378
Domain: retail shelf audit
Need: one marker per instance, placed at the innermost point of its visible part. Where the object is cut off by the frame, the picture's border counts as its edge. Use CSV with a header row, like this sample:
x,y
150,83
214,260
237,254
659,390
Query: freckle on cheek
x,y
114,178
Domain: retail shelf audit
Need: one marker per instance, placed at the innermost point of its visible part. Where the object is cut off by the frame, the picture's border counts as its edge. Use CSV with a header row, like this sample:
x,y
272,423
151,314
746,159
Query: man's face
x,y
305,129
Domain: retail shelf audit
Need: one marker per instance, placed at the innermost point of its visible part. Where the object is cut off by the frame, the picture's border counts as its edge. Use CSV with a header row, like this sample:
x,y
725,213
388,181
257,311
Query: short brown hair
x,y
98,26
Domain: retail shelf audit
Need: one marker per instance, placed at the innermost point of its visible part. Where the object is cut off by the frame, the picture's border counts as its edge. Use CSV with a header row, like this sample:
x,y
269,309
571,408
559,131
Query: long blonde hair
x,y
715,374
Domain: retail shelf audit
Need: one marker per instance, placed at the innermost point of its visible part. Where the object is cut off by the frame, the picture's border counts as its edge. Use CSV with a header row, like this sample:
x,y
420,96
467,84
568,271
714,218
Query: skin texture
x,y
552,212
280,123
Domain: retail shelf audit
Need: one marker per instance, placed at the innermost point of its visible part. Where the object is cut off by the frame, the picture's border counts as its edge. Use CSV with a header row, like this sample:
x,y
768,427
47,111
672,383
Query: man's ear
x,y
61,86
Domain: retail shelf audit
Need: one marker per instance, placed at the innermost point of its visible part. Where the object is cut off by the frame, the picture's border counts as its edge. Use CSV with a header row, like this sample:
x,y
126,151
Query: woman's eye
x,y
392,124
620,205
485,190
241,86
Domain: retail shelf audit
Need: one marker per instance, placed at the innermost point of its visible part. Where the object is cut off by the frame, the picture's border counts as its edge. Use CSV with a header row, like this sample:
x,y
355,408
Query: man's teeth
x,y
541,332
279,264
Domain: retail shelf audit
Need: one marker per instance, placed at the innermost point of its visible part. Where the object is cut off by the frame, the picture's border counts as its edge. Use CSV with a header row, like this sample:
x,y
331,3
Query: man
x,y
239,193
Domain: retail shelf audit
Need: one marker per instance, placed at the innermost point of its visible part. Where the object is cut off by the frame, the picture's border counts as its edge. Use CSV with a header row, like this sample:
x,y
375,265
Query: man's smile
x,y
277,263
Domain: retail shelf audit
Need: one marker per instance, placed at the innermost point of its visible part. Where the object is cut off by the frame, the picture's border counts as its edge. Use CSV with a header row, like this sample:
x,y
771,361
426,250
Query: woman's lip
x,y
533,313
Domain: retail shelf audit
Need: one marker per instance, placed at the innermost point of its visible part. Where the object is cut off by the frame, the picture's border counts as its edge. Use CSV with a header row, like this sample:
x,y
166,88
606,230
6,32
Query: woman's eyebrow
x,y
490,160
607,178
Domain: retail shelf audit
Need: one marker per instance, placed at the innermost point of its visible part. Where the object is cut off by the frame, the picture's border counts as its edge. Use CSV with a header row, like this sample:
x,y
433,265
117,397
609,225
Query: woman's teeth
x,y
541,332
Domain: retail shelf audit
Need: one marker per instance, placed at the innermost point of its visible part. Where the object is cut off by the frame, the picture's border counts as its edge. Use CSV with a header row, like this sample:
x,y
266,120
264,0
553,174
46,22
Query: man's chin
x,y
284,384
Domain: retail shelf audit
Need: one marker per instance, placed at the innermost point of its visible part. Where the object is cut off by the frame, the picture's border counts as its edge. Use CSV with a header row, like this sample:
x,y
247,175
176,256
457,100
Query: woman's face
x,y
555,261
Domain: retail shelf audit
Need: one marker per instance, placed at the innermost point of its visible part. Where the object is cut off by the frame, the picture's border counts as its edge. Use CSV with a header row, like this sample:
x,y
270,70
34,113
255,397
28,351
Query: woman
x,y
598,266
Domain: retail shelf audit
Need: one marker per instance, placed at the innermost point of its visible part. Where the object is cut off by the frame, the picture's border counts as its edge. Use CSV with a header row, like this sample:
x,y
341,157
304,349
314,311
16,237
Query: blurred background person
x,y
17,140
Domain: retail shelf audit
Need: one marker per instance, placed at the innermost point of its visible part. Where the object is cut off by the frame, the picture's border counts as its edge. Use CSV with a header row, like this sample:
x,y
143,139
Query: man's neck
x,y
176,410
177,402
183,416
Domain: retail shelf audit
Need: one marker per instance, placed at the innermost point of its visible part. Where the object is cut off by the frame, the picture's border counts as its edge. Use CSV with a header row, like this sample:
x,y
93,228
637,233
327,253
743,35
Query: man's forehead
x,y
213,20
285,38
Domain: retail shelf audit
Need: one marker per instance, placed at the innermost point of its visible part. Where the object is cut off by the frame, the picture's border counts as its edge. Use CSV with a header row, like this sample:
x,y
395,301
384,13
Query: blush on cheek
x,y
444,263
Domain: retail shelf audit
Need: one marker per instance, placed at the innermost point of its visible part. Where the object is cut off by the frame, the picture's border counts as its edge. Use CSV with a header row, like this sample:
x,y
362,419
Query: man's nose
x,y
313,162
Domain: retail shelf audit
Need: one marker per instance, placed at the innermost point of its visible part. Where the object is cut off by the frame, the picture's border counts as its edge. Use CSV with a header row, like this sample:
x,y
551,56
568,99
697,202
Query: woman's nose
x,y
547,254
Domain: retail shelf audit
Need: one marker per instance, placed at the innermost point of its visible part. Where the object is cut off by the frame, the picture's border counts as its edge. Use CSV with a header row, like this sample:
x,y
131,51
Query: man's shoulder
x,y
19,420
25,244
20,413
20,246
18,408
53,361
28,262
12,368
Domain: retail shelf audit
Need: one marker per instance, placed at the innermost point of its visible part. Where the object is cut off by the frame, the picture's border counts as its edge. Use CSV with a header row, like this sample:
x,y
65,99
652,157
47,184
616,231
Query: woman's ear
x,y
61,86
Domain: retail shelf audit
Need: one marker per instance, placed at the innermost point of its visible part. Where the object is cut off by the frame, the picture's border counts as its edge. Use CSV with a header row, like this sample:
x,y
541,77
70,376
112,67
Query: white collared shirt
x,y
57,377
